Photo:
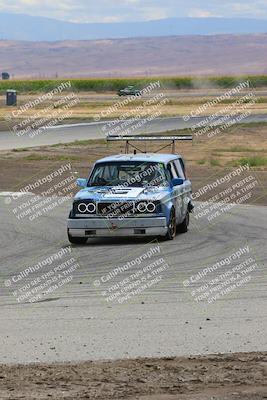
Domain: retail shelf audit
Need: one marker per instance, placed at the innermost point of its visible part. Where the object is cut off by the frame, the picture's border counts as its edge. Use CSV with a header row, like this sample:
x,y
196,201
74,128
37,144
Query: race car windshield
x,y
129,174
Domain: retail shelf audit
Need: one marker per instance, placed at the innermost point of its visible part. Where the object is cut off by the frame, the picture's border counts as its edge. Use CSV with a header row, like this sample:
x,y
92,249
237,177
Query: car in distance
x,y
129,91
132,195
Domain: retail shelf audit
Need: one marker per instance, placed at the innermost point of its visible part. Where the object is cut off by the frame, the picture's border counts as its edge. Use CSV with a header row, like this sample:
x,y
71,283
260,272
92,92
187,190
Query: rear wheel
x,y
171,233
77,240
183,227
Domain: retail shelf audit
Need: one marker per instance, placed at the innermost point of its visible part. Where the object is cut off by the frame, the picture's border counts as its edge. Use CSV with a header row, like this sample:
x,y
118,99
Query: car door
x,y
187,188
177,193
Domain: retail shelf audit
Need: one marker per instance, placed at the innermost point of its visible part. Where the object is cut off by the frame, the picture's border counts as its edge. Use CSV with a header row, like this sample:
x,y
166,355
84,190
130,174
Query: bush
x,y
253,161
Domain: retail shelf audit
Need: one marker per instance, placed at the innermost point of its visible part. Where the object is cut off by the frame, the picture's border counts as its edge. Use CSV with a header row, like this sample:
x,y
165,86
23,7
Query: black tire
x,y
77,240
170,235
183,227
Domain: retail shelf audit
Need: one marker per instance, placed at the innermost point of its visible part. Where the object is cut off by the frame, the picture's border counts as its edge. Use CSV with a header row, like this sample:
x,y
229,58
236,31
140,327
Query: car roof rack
x,y
129,139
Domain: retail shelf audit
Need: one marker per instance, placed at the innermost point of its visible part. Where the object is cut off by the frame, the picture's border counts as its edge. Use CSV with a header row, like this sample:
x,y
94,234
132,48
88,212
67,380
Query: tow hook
x,y
113,226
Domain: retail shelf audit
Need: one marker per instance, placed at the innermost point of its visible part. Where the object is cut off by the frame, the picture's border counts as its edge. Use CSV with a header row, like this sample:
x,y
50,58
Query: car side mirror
x,y
81,182
177,182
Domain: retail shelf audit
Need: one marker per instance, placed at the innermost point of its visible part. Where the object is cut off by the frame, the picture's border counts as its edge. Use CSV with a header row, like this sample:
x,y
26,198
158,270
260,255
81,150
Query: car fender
x,y
179,198
170,201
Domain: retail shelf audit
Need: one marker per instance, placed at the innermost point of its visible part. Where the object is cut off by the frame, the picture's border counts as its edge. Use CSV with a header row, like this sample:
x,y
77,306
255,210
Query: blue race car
x,y
132,195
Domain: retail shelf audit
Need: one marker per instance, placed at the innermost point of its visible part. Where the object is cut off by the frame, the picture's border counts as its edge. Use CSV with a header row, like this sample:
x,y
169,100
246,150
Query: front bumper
x,y
104,227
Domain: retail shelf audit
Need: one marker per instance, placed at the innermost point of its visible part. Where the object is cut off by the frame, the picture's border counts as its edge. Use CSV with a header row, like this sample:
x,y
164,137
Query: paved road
x,y
94,130
76,323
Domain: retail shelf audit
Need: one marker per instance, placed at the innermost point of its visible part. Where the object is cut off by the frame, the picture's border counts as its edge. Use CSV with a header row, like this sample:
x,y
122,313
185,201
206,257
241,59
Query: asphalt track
x,y
76,323
97,130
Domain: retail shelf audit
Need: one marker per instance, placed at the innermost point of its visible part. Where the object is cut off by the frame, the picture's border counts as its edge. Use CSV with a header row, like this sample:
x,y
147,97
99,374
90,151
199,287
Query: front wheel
x,y
171,233
77,240
183,227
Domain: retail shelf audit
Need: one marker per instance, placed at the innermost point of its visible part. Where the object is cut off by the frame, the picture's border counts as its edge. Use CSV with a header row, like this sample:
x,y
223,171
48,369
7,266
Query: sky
x,y
134,10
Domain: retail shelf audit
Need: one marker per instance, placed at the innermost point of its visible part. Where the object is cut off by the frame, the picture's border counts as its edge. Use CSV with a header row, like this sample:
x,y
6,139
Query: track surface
x,y
93,130
77,324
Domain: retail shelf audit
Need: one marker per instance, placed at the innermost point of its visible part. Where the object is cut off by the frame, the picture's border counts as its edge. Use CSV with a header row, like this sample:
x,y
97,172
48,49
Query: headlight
x,y
86,208
91,208
151,207
82,208
141,207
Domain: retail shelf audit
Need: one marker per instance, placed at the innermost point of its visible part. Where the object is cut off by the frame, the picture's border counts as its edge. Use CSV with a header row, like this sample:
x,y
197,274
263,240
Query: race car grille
x,y
115,209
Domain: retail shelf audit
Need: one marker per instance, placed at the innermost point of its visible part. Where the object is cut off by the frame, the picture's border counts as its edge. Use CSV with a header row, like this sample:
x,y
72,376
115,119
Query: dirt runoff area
x,y
218,377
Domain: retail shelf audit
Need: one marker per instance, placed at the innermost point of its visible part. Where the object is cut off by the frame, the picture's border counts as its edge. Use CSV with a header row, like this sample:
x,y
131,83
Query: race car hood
x,y
122,194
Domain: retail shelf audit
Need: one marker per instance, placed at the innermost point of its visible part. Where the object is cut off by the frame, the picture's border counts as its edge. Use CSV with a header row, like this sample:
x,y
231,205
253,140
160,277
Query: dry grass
x,y
89,106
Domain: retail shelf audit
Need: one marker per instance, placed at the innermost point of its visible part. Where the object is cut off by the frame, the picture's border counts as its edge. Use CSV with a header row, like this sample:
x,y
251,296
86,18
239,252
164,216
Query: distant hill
x,y
176,55
25,27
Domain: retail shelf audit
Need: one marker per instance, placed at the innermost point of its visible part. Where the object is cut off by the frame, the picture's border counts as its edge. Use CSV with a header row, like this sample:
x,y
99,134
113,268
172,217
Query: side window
x,y
179,166
183,166
172,169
